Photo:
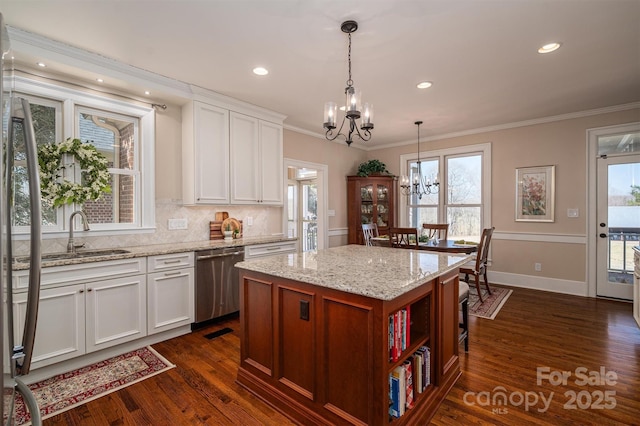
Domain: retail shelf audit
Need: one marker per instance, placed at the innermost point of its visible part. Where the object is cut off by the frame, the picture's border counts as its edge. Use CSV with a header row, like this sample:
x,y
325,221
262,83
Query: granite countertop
x,y
157,249
379,272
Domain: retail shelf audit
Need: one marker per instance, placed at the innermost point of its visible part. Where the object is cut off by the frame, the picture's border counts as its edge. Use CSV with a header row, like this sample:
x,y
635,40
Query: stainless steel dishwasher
x,y
217,282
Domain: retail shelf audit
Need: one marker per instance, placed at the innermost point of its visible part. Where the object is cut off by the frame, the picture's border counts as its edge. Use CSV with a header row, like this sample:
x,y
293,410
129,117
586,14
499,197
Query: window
x,y
122,132
463,197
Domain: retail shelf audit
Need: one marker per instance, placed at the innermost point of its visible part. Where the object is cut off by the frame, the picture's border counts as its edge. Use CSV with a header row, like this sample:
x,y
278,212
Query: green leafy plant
x,y
58,191
371,167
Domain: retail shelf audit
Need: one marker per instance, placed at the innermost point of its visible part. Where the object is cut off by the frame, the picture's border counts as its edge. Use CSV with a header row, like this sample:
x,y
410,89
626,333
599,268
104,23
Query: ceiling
x,y
480,55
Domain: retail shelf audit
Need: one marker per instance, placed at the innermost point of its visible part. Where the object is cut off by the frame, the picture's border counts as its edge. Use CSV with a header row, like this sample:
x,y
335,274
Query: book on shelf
x,y
408,383
394,396
417,371
400,374
399,333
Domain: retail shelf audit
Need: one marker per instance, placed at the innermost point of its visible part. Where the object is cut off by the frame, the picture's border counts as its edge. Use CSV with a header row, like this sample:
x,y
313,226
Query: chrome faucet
x,y
71,246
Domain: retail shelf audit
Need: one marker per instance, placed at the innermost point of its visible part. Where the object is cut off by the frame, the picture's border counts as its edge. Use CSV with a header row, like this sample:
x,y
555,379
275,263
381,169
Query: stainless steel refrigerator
x,y
18,142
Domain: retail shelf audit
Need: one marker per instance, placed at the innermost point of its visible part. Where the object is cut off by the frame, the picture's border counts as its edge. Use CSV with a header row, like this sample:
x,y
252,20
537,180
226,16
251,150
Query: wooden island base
x,y
322,356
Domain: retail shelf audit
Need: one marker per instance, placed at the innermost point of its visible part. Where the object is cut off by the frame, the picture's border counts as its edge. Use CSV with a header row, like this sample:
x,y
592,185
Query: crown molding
x,y
532,122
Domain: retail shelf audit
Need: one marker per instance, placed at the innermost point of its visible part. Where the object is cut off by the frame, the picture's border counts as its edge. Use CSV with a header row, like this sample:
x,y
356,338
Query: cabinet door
x,y
60,328
116,311
211,154
382,207
271,157
245,154
170,299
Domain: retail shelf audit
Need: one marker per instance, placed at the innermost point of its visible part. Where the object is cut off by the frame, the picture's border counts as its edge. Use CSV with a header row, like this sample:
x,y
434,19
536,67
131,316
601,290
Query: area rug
x,y
492,302
68,390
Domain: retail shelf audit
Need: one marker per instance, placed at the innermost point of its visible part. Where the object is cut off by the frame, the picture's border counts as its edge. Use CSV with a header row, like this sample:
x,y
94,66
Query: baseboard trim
x,y
555,285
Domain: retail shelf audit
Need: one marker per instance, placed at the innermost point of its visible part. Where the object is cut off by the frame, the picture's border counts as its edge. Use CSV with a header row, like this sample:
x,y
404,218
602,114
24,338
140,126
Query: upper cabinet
x,y
231,157
256,161
205,154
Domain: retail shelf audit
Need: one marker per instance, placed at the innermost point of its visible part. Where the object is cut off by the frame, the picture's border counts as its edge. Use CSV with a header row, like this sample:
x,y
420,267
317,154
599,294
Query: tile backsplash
x,y
266,221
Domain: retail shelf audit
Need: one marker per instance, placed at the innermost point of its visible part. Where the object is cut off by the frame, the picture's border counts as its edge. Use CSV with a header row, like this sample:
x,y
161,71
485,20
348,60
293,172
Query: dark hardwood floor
x,y
557,333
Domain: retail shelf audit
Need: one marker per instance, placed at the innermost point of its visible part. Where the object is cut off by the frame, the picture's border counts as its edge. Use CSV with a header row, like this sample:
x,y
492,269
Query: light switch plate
x,y
573,213
175,224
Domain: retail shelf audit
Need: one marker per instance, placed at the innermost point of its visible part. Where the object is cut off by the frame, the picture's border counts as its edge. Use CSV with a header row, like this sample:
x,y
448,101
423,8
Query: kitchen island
x,y
317,331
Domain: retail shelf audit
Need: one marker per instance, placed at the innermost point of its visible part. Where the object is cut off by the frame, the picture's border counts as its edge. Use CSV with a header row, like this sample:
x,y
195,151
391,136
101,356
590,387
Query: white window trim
x,y
441,154
146,115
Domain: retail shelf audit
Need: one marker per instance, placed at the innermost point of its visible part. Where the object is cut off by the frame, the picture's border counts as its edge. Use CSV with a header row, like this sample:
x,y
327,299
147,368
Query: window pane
x,y
117,207
114,136
611,144
464,185
420,215
464,223
429,172
44,126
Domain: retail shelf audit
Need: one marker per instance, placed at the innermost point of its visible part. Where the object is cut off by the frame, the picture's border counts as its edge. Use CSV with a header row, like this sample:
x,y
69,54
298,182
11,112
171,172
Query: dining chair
x,y
404,238
369,230
441,230
463,301
478,266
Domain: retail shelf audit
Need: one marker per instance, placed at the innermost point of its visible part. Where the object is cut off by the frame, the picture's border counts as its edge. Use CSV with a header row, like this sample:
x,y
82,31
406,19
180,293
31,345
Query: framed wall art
x,y
535,193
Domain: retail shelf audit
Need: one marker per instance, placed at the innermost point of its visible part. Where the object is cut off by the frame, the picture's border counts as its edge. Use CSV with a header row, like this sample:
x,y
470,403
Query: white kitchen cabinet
x,y
85,308
170,291
116,311
60,333
256,161
205,154
270,249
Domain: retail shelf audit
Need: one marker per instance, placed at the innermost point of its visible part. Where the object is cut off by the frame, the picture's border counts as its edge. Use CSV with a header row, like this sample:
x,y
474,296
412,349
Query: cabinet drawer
x,y
83,272
270,249
163,262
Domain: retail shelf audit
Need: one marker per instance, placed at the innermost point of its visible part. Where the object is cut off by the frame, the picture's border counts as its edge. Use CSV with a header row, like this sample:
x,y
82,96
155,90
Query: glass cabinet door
x,y
382,206
367,205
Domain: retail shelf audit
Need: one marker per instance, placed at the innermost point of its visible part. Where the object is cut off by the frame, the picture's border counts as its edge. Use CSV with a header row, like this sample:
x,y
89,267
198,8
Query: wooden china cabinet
x,y
370,199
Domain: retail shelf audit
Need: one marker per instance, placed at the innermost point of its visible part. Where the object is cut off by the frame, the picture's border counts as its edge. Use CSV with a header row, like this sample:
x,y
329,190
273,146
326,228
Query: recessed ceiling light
x,y
260,71
99,80
424,85
41,64
549,47
146,92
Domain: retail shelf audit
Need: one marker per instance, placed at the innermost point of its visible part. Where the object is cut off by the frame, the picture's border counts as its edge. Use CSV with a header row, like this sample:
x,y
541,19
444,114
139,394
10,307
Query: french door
x,y
618,223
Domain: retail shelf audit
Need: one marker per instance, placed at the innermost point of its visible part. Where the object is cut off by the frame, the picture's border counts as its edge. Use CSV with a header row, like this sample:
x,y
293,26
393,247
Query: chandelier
x,y
420,185
353,105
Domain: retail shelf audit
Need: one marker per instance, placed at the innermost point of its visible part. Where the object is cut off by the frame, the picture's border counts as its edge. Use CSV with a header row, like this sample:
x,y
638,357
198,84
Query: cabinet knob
x,y
89,289
81,291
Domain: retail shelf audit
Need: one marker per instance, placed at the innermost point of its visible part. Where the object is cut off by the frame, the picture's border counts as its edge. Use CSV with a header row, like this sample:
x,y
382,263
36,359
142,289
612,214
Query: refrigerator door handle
x,y
30,401
33,298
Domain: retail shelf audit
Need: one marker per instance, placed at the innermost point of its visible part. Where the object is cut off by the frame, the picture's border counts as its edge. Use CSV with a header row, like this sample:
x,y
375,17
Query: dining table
x,y
444,246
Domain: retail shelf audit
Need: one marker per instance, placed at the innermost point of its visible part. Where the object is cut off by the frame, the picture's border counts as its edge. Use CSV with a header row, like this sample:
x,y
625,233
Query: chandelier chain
x,y
349,82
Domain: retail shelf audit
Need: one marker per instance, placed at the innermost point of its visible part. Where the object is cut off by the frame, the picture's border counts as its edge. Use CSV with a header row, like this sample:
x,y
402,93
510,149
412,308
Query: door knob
x,y
603,235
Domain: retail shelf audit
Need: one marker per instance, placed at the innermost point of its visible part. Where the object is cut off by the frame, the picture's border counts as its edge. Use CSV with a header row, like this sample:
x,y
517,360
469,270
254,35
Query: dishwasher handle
x,y
213,256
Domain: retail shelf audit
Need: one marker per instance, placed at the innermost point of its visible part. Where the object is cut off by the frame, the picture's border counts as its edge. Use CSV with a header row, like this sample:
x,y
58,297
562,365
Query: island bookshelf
x,y
321,356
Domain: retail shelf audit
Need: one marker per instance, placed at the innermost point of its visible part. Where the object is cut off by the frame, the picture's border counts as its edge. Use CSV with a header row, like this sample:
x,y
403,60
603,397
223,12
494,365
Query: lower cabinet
x,y
82,318
170,292
91,306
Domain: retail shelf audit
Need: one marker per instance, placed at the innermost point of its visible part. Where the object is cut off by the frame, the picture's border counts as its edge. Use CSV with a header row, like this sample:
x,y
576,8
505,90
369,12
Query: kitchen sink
x,y
77,255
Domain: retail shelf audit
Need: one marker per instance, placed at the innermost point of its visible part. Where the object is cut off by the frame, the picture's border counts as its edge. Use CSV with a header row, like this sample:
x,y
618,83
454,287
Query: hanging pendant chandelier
x,y
419,185
353,107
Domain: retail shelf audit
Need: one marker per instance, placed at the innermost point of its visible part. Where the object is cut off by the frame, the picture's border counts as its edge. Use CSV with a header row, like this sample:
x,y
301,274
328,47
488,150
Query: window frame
x,y
442,155
73,98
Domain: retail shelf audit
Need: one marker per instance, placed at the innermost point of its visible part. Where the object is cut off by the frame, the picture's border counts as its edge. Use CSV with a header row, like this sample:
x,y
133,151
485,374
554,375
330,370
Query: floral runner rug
x,y
68,390
492,302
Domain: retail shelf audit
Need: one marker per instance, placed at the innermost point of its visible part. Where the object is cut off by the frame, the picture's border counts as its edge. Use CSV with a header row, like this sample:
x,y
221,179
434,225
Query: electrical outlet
x,y
177,224
249,220
537,267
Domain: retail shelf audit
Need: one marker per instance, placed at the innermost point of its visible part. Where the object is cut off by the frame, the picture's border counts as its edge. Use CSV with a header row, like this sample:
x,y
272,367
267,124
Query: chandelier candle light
x,y
420,185
353,104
